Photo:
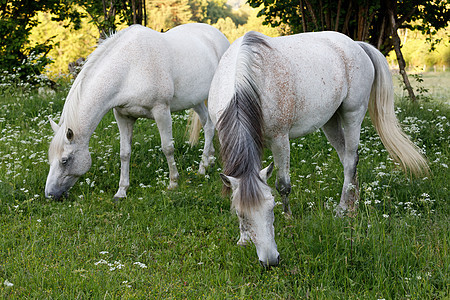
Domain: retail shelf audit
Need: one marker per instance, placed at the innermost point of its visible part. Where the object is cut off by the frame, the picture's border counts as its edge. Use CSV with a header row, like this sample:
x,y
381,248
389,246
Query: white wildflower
x,y
7,283
143,266
101,262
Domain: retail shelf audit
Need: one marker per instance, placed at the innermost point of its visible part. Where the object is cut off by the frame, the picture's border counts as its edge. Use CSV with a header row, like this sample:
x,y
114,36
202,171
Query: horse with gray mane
x,y
139,73
269,90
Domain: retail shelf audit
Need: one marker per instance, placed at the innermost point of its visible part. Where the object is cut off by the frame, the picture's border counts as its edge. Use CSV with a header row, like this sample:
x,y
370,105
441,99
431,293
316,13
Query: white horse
x,y
269,90
140,73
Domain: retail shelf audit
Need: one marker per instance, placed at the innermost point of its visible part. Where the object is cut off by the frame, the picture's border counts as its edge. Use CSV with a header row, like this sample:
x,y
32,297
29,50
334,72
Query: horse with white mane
x,y
140,73
269,90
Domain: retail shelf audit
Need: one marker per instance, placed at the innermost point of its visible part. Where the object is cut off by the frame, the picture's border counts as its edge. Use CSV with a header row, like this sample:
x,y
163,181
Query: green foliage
x,y
166,14
422,56
70,44
17,21
182,244
361,20
233,31
163,15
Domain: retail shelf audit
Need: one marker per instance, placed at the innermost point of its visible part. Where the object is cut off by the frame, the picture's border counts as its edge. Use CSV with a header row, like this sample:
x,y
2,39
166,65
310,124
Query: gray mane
x,y
240,127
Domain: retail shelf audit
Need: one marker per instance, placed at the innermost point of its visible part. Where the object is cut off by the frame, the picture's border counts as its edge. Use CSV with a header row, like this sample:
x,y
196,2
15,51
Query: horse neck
x,y
85,113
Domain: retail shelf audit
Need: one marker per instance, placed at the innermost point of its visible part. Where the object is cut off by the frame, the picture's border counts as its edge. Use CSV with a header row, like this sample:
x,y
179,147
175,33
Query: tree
x,y
106,14
165,14
16,22
374,21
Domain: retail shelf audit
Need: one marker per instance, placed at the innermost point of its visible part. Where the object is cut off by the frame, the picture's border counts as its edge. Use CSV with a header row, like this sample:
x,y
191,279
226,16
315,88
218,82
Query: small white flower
x,y
104,252
385,216
39,220
7,283
143,266
101,261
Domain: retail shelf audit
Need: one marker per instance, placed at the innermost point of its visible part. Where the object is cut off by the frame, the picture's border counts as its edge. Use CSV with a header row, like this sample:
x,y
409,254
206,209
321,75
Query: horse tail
x,y
382,114
193,128
240,127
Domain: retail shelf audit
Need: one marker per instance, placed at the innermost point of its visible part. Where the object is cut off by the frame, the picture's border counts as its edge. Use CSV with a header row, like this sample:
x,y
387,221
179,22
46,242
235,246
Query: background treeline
x,y
65,40
416,48
43,37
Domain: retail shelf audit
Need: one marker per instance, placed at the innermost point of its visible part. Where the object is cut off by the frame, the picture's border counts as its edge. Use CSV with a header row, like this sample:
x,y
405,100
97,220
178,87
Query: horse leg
x,y
125,125
208,128
163,119
350,191
335,135
281,156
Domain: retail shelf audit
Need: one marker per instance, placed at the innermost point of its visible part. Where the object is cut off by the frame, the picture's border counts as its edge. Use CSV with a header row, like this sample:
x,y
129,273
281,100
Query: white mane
x,y
69,115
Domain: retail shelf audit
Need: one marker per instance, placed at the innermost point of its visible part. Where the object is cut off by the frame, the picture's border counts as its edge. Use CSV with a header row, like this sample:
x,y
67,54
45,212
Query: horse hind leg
x,y
208,128
163,120
125,125
345,139
335,135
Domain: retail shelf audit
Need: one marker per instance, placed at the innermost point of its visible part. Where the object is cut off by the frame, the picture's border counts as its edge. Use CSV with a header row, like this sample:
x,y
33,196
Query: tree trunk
x,y
302,11
313,15
336,26
345,29
398,52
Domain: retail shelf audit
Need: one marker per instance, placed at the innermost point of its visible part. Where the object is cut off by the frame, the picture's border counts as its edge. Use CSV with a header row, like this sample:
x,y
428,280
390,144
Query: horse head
x,y
68,159
256,222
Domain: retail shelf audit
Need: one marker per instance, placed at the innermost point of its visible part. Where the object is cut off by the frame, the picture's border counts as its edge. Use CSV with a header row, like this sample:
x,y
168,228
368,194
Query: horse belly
x,y
136,112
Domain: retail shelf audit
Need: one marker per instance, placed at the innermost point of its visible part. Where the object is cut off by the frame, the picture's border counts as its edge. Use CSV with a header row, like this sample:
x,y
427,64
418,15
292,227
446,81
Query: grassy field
x,y
182,244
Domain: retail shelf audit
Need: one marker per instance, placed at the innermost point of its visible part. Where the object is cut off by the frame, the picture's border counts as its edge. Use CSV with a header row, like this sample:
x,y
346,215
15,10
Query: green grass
x,y
182,243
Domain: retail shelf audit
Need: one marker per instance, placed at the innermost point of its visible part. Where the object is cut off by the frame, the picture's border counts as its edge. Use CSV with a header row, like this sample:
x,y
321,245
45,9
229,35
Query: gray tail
x,y
240,127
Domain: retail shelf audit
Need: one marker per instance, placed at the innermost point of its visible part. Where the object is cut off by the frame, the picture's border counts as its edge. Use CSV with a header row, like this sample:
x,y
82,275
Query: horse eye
x,y
64,160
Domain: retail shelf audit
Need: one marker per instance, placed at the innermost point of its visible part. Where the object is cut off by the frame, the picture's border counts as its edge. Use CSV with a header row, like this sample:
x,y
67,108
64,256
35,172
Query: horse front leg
x,y
208,128
163,119
281,155
125,125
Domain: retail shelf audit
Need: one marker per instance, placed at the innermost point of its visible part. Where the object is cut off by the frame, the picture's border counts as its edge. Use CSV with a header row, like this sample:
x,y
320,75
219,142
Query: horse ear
x,y
54,126
69,134
265,173
229,181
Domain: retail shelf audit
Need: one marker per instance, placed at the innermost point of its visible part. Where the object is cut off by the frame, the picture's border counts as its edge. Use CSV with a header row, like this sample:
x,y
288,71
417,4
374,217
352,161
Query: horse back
x,y
307,77
195,50
141,68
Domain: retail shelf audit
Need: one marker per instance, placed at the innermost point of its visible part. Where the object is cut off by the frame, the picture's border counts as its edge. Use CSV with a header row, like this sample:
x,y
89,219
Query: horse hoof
x,y
340,211
287,215
172,185
242,243
202,170
119,196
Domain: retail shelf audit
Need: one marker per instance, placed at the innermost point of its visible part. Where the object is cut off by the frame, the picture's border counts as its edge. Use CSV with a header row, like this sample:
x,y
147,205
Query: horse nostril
x,y
267,265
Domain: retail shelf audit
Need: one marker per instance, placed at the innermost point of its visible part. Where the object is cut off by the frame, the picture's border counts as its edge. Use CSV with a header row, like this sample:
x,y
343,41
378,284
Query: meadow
x,y
181,244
